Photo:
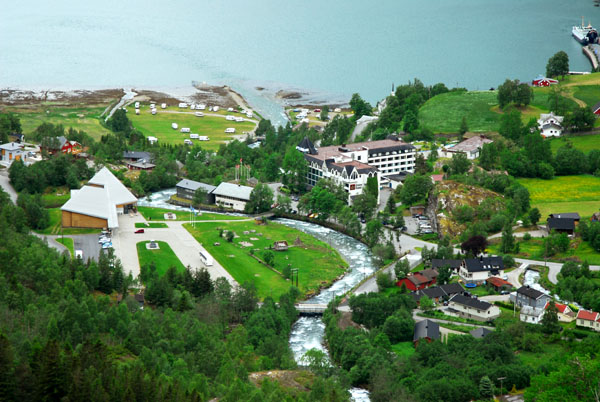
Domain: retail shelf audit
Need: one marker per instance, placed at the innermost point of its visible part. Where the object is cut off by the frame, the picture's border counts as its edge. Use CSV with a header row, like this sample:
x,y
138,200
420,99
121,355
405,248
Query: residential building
x,y
561,225
351,165
438,293
478,270
426,330
419,280
454,265
61,144
234,196
471,147
136,160
468,307
542,81
588,319
98,203
567,215
550,125
480,332
16,137
528,296
531,315
187,188
12,151
596,108
565,314
499,284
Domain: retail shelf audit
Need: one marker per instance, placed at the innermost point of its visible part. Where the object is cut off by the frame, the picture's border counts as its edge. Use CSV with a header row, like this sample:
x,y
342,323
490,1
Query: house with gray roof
x,y
10,152
469,307
478,270
480,332
234,196
528,296
187,188
427,330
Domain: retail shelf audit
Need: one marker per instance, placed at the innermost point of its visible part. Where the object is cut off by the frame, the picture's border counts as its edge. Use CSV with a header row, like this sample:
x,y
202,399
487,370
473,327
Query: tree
x,y
324,116
415,189
269,257
200,196
421,166
284,203
399,327
261,199
486,387
411,121
474,245
384,280
364,204
229,236
402,268
534,216
295,168
463,127
558,65
511,125
425,303
459,164
550,323
444,274
373,232
582,118
359,107
373,186
507,245
506,92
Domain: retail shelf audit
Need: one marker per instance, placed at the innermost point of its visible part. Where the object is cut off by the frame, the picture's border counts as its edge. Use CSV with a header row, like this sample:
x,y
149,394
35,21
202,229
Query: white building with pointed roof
x,y
98,203
550,125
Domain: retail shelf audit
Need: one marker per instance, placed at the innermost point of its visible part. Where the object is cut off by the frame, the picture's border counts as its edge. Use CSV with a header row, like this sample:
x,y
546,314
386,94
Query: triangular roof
x,y
426,329
480,332
119,194
307,147
93,201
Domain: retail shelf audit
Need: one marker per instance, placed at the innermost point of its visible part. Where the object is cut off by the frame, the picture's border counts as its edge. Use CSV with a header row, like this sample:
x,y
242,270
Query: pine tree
x,y
508,240
486,388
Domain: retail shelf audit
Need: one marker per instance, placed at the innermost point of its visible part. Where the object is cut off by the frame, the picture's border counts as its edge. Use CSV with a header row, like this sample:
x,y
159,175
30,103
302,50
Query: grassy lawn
x,y
403,349
153,225
534,249
444,113
318,263
164,257
68,243
440,315
590,94
565,194
457,327
56,197
80,118
482,291
584,143
55,226
158,214
159,126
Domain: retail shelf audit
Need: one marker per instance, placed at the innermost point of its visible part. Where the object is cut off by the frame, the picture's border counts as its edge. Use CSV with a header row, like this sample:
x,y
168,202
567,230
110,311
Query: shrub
x,y
527,237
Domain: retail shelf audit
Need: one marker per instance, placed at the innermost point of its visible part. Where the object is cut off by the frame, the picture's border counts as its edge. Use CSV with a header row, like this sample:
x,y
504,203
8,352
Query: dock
x,y
591,51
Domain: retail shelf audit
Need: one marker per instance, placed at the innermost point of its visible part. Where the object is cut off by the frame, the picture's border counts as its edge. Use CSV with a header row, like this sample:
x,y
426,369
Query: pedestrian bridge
x,y
310,309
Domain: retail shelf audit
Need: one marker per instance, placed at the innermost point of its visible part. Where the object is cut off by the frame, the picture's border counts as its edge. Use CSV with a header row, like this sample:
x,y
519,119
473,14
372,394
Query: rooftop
x,y
561,223
233,190
530,292
11,146
480,332
470,302
119,194
195,185
484,264
386,145
426,329
92,201
566,215
438,263
471,144
587,315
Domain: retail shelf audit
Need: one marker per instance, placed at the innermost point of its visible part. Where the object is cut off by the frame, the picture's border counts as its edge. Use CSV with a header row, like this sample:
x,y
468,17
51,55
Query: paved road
x,y
88,244
183,244
51,242
534,233
5,184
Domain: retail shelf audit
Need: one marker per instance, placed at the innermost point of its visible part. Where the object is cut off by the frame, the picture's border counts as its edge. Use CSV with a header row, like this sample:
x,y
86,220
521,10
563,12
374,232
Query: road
x,y
419,318
183,244
6,186
52,242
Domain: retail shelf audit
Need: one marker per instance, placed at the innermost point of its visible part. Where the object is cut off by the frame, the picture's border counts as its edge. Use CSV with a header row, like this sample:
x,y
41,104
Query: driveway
x,y
384,195
6,186
183,244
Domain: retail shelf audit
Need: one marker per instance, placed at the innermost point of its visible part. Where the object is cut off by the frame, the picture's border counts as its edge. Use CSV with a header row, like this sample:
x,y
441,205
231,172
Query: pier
x,y
591,51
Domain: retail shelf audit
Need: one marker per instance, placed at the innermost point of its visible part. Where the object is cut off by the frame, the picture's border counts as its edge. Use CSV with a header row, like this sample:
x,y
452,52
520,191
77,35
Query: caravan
x,y
174,126
185,130
206,258
194,136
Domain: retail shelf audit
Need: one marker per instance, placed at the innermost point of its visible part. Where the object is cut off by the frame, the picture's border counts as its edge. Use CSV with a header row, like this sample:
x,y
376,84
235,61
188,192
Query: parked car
x,y
79,254
139,231
103,239
423,218
107,245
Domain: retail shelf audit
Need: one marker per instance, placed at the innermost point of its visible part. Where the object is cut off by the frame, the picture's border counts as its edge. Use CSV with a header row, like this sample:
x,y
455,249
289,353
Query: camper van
x,y
163,105
183,105
194,136
185,130
230,118
174,125
230,130
206,258
201,107
137,105
230,109
199,114
188,142
193,106
239,119
153,106
215,108
249,114
151,139
203,138
137,111
153,111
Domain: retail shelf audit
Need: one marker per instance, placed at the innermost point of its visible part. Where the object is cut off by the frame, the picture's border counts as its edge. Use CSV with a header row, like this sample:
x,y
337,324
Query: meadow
x,y
68,243
318,263
159,126
565,194
80,118
164,258
534,249
584,143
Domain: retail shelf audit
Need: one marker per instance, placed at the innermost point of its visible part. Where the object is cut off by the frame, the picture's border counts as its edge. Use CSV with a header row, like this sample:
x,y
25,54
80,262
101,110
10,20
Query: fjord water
x,y
331,48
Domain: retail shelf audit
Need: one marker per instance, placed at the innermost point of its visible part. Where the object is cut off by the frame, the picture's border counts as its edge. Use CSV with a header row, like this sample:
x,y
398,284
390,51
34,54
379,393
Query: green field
x,y
164,258
158,214
55,226
403,348
56,197
80,118
152,225
159,126
590,94
584,143
68,243
318,263
565,194
534,249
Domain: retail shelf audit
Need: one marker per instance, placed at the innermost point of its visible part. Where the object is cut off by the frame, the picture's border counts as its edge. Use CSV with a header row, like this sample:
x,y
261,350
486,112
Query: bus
x,y
206,258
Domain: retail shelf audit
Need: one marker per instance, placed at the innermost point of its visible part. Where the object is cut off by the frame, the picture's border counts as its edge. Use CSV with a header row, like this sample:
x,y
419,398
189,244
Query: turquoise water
x,y
329,48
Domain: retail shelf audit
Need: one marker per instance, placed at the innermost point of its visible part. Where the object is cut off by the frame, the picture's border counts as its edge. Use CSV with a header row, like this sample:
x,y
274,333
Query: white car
x,y
163,105
199,114
79,254
103,239
174,126
186,130
137,105
183,105
230,118
188,142
230,130
107,245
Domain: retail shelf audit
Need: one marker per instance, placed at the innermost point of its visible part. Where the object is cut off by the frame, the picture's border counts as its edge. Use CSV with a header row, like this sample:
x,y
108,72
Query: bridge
x,y
310,309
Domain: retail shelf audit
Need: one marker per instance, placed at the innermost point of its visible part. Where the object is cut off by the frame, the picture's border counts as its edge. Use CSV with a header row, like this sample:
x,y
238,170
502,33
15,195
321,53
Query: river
x,y
327,49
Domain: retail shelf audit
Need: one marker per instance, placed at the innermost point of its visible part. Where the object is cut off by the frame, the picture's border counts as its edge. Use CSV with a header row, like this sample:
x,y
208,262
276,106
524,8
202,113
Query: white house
x,y
467,307
471,147
550,125
588,319
11,151
477,270
531,315
232,196
351,165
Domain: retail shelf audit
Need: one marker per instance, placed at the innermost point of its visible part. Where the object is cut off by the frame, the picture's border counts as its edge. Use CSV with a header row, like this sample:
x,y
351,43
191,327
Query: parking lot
x,y
88,244
416,226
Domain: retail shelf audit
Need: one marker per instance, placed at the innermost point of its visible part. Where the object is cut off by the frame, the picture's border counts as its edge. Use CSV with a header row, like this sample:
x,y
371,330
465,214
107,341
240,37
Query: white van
x,y
153,111
203,138
175,126
230,130
194,136
202,106
79,254
183,105
185,130
199,114
137,105
153,106
230,109
137,111
163,105
188,142
215,108
230,118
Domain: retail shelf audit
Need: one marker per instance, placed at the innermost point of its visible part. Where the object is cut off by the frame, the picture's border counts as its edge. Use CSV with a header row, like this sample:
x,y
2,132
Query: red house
x,y
543,82
596,108
61,144
419,280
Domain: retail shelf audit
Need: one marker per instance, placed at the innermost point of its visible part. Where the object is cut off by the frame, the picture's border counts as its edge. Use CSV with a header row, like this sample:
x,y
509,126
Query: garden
x,y
163,257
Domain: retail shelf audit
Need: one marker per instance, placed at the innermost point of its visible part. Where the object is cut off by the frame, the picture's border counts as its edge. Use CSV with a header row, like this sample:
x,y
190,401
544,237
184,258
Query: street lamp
x,y
501,379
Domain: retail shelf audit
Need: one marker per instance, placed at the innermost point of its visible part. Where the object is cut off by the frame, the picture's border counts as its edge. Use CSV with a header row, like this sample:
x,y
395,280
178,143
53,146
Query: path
x,y
438,320
183,244
534,233
127,97
5,184
52,242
